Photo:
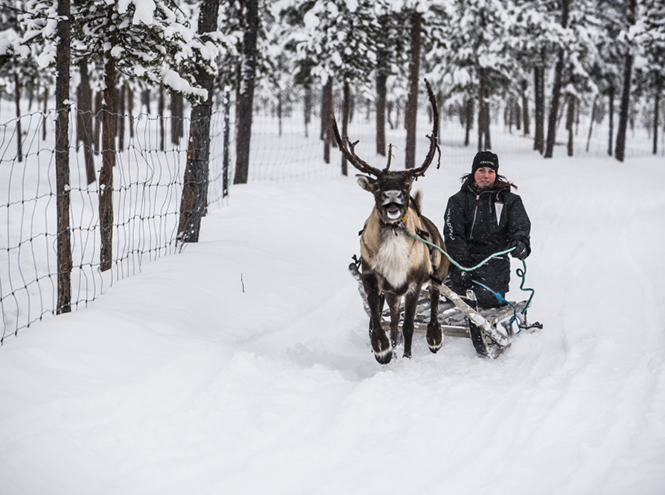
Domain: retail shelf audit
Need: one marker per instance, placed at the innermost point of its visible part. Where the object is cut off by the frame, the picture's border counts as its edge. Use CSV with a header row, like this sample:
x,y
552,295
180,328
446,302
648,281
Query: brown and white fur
x,y
393,263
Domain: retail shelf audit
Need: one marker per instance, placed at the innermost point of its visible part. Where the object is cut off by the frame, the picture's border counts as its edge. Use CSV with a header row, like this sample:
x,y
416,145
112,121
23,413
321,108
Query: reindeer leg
x,y
410,305
394,305
383,351
434,335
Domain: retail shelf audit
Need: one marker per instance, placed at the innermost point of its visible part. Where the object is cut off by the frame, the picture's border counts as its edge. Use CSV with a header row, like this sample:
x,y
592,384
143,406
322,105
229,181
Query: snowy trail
x,y
176,381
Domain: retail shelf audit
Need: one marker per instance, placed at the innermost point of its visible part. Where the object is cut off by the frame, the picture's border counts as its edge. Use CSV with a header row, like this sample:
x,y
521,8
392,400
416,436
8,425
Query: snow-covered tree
x,y
627,35
16,73
334,39
195,181
475,54
650,74
152,41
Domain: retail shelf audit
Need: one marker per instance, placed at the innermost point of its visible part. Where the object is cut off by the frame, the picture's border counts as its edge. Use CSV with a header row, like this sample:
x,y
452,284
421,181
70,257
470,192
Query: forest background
x,y
216,67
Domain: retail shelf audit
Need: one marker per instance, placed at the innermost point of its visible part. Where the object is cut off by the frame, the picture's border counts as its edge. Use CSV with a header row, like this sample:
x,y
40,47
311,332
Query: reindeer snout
x,y
390,197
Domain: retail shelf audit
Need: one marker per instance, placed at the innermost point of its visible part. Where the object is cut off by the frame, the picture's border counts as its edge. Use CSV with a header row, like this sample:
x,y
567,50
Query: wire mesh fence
x,y
148,183
147,186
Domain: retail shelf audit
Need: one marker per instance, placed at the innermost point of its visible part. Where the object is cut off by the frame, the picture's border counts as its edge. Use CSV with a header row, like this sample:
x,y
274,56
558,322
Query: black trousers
x,y
494,274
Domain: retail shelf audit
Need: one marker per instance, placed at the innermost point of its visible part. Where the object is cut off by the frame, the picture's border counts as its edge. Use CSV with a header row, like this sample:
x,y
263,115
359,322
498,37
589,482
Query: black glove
x,y
520,251
461,279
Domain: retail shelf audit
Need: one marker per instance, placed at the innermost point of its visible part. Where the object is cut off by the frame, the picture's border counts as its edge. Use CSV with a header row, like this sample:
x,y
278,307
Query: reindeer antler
x,y
433,138
351,156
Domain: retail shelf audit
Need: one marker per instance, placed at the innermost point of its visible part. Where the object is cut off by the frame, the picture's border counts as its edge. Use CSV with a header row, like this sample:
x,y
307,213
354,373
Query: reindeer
x,y
393,263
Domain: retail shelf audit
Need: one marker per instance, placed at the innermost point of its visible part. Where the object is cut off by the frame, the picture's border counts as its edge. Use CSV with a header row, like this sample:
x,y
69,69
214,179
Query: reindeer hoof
x,y
384,357
434,338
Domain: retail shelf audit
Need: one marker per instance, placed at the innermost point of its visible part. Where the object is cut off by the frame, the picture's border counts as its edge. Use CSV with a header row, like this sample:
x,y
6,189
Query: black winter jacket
x,y
478,224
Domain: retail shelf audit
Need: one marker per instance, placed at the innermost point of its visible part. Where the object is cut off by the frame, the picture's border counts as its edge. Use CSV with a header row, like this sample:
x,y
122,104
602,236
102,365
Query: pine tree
x,y
476,54
334,39
151,41
651,78
628,36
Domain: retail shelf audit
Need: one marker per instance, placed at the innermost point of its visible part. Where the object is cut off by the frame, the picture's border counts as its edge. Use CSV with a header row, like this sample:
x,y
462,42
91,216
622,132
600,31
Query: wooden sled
x,y
490,330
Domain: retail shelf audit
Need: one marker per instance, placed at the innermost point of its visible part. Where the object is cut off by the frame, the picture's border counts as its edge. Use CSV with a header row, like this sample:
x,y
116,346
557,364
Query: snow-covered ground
x,y
242,365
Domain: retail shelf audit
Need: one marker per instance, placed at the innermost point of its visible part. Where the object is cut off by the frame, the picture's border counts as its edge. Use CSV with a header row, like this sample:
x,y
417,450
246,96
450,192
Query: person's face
x,y
485,176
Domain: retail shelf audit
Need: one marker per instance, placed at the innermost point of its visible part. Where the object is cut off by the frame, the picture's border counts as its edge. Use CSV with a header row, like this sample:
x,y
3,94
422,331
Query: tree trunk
x,y
620,148
130,110
195,182
488,120
610,143
556,88
160,112
381,92
483,112
468,108
63,240
85,121
246,97
554,105
121,116
518,116
145,100
98,121
412,102
308,108
279,112
177,115
539,95
656,110
525,109
108,159
80,128
326,122
45,111
345,121
19,132
227,143
570,123
594,109
439,104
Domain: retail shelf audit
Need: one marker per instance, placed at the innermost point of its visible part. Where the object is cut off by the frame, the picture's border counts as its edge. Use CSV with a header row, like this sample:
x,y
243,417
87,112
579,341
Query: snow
x,y
144,10
243,364
172,79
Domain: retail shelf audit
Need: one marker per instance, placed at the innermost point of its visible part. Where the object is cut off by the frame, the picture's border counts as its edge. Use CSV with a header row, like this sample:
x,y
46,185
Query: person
x,y
483,218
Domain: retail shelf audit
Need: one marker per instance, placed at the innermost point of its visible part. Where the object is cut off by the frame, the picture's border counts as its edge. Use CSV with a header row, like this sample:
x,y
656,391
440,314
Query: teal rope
x,y
455,262
520,273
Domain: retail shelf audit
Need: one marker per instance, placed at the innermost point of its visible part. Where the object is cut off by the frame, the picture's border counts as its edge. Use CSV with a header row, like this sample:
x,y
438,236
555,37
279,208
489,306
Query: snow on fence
x,y
148,181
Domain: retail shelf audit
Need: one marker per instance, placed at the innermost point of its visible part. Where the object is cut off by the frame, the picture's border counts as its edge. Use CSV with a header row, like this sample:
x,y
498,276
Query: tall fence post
x,y
64,256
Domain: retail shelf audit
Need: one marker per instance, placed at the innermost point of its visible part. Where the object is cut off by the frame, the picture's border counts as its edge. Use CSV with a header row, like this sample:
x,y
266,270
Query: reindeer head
x,y
391,190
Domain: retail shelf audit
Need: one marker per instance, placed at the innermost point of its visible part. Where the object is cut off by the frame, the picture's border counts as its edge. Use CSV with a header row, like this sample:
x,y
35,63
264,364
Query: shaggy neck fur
x,y
392,258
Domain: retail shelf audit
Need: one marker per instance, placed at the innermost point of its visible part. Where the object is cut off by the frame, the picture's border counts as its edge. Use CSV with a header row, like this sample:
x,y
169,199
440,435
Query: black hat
x,y
485,159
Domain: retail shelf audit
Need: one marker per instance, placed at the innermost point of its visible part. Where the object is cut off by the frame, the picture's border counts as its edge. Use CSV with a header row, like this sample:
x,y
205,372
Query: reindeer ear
x,y
367,183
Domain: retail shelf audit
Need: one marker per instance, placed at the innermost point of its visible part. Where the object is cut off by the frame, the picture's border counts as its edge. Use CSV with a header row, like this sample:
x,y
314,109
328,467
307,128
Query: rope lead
x,y
520,273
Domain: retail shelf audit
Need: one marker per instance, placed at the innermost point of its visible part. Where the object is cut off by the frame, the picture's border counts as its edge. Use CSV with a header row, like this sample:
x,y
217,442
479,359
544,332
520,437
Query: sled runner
x,y
490,330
